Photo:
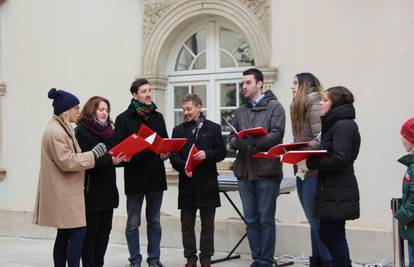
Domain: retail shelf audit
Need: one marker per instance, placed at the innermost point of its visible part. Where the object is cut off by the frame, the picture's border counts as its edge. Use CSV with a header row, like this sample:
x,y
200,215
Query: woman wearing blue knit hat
x,y
59,200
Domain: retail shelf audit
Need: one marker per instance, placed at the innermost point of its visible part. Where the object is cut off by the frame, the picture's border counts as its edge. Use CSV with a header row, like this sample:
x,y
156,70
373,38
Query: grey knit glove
x,y
99,150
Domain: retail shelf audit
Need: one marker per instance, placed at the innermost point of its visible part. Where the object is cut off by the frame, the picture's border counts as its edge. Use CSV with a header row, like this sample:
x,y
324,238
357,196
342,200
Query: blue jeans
x,y
410,254
259,207
153,205
332,233
306,191
68,247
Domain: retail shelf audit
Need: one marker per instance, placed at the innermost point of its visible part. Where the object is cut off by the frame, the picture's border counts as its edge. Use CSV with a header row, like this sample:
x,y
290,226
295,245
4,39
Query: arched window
x,y
208,60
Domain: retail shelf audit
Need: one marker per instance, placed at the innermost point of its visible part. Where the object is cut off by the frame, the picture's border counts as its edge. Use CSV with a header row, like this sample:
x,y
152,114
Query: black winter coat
x,y
145,172
101,192
337,196
201,190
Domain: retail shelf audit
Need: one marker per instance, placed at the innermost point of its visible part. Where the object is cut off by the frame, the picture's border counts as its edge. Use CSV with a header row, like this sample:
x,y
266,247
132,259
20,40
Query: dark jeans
x,y
332,233
98,228
306,191
68,247
188,217
410,254
259,207
153,205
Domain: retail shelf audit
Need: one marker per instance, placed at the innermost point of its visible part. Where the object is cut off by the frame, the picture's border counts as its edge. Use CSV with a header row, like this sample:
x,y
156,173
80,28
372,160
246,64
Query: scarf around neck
x,y
198,124
101,129
143,110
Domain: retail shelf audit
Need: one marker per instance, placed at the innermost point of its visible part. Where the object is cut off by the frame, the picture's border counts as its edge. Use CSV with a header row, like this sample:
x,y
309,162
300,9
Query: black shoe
x,y
314,262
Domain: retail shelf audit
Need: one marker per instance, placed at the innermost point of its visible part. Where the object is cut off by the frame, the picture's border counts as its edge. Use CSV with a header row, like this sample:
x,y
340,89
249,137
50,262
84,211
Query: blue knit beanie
x,y
62,100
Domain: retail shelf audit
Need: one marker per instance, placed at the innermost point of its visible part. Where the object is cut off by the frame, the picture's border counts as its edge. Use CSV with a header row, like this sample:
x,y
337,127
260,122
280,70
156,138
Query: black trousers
x,y
188,217
332,233
98,228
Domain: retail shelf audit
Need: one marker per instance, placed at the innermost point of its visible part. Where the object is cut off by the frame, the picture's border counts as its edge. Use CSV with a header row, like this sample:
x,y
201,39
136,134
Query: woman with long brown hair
x,y
306,126
101,193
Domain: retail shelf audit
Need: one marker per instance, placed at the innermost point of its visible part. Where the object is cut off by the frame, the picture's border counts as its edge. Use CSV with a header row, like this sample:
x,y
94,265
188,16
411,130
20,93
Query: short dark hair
x,y
137,84
340,95
258,75
193,98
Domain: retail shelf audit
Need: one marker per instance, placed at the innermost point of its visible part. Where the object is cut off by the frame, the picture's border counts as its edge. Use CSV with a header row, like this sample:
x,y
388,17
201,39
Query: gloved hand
x,y
300,174
99,150
302,169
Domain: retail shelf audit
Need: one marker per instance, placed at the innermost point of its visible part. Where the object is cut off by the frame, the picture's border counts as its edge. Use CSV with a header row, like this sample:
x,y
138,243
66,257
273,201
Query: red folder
x,y
250,131
279,149
192,163
130,146
294,156
161,145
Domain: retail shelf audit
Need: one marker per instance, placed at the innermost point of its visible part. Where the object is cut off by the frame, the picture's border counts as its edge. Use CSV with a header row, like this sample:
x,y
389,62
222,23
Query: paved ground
x,y
17,252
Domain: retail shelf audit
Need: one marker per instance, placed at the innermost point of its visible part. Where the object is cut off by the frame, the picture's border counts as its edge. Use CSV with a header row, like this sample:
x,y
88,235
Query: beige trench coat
x,y
60,199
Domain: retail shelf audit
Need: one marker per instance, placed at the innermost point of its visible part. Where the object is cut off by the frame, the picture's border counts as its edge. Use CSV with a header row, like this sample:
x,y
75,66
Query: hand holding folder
x,y
131,146
191,162
161,145
279,149
295,156
246,132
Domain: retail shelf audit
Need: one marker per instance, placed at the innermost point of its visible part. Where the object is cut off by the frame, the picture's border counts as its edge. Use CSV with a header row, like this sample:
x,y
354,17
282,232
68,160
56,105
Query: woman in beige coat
x,y
59,200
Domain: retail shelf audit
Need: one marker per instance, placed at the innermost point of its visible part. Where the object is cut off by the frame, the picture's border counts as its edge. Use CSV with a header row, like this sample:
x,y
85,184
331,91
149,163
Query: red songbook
x,y
246,132
294,156
279,149
130,146
192,163
161,145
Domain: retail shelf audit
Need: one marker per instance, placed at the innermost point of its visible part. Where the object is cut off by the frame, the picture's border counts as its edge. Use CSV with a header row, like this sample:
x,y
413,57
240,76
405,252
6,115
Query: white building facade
x,y
99,47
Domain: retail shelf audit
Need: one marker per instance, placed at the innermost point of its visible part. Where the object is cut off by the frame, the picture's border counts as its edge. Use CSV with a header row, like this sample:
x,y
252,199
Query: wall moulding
x,y
163,20
2,93
2,88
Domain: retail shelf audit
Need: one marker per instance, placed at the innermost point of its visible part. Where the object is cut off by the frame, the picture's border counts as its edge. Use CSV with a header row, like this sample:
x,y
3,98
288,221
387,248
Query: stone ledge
x,y
292,238
223,168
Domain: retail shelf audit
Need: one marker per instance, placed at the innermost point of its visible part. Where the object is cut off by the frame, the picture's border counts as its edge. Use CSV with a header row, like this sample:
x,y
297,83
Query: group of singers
x,y
77,190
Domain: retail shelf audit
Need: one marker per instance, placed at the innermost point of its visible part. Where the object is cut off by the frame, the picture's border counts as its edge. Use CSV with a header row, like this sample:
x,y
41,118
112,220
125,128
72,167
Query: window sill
x,y
223,167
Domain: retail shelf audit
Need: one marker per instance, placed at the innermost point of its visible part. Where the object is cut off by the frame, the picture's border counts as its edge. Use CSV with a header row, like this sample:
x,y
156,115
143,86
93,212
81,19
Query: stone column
x,y
159,86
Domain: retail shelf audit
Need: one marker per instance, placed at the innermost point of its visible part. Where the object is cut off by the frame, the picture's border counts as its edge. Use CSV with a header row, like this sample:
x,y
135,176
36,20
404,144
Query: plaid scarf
x,y
101,129
198,124
143,110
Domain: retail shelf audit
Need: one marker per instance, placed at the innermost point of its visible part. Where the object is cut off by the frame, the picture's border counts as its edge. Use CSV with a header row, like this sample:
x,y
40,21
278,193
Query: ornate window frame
x,y
164,20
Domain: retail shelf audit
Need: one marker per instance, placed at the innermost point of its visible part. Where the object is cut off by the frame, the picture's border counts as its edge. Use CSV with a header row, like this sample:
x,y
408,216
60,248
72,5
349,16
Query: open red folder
x,y
192,163
246,132
161,145
294,156
279,149
130,146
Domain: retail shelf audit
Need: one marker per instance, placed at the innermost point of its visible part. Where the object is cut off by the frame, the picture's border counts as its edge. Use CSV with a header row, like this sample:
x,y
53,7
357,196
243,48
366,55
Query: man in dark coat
x,y
144,174
198,189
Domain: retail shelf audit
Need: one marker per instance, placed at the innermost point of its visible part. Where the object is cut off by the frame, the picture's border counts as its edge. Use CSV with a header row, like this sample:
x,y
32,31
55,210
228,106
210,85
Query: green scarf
x,y
143,110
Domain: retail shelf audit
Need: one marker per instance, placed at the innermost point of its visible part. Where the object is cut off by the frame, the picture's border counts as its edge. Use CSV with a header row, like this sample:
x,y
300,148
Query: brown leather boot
x,y
191,264
205,264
